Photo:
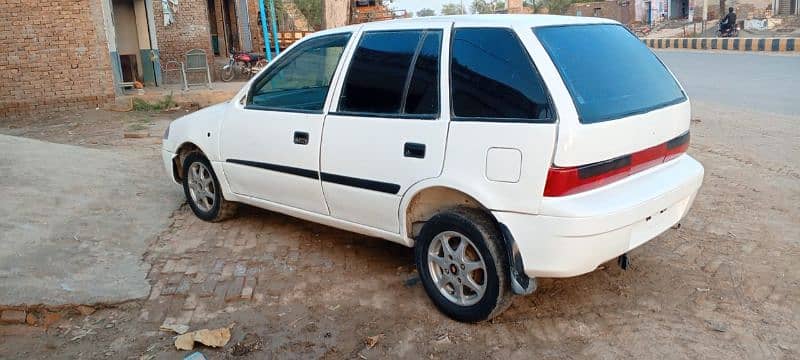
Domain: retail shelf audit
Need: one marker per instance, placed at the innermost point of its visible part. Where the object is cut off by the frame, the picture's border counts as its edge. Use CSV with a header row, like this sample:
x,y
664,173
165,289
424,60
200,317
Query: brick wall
x,y
607,9
53,57
189,31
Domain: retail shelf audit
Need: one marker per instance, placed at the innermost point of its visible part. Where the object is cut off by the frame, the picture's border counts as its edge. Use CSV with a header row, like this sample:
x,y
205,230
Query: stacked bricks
x,y
734,44
54,57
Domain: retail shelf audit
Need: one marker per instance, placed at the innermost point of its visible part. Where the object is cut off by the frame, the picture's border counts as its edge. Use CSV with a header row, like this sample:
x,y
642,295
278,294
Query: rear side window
x,y
493,78
394,73
608,71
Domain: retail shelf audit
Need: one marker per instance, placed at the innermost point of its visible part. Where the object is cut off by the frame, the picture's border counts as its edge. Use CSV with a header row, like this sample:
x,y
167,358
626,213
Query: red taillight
x,y
566,181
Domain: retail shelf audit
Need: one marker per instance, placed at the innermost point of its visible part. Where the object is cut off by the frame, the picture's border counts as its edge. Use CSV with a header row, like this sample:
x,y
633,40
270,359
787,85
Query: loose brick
x,y
234,289
12,317
247,289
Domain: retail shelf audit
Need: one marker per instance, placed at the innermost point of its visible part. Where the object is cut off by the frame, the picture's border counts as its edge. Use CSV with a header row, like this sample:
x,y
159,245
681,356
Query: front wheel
x,y
463,265
227,73
201,187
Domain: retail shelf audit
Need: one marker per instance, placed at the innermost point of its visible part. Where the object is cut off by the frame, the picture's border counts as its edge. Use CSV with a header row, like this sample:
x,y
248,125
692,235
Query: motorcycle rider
x,y
729,21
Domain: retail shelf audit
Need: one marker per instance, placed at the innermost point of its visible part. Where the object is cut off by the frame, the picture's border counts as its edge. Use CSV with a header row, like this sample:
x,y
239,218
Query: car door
x,y
270,140
387,127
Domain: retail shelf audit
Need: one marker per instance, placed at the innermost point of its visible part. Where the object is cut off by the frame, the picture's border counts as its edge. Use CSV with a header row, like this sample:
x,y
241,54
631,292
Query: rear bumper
x,y
575,234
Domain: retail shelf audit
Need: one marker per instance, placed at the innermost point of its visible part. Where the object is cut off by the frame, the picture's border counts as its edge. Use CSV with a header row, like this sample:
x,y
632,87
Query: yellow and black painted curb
x,y
734,44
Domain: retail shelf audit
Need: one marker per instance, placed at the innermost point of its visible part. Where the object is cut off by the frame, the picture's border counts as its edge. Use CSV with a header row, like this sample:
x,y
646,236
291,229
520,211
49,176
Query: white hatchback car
x,y
502,147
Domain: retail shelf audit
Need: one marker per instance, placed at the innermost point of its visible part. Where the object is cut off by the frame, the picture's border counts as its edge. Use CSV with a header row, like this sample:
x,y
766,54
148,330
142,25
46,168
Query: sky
x,y
415,5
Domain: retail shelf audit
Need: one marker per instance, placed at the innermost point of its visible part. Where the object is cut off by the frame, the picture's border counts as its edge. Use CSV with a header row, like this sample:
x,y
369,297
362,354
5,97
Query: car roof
x,y
531,20
487,20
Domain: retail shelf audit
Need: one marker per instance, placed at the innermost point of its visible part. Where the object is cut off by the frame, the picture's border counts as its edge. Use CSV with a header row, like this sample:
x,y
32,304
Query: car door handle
x,y
301,137
414,150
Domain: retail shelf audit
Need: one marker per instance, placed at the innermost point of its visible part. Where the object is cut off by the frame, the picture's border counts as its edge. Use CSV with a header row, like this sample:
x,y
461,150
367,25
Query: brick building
x,y
61,55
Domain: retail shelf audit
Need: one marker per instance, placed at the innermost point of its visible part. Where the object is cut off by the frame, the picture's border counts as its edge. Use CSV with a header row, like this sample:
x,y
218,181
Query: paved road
x,y
758,82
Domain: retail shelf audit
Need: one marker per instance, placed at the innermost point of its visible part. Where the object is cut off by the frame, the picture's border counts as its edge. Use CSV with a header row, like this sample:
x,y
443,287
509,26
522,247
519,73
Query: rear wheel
x,y
201,187
463,266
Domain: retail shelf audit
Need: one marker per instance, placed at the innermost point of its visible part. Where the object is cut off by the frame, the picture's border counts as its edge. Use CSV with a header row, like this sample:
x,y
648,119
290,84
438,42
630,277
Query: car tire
x,y
442,276
202,190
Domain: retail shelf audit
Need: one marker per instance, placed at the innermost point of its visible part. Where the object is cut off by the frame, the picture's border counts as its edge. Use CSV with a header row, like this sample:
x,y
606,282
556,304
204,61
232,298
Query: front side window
x,y
300,81
608,71
394,73
493,78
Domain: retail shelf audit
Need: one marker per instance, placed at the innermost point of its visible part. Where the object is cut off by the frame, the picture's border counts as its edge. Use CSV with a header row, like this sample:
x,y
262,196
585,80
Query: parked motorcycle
x,y
732,31
242,63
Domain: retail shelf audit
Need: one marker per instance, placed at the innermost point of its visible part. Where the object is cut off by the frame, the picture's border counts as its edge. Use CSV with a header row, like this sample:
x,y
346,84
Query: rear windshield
x,y
609,72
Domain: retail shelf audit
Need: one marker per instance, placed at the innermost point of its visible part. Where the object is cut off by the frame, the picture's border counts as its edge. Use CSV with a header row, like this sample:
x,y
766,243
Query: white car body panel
x,y
503,166
267,137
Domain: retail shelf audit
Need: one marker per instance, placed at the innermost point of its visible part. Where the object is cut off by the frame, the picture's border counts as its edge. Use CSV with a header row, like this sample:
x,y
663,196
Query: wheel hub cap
x,y
201,186
457,268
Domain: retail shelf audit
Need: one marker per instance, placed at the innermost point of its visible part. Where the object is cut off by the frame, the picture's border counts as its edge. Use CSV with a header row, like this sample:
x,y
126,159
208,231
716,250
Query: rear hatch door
x,y
624,98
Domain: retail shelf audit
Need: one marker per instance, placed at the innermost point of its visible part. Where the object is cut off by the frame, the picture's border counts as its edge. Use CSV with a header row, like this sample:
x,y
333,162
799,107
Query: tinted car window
x,y
377,75
493,77
423,90
608,71
301,78
394,72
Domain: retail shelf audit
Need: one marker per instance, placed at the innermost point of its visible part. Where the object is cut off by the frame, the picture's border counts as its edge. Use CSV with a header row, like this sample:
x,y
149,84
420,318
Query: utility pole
x,y
264,30
274,26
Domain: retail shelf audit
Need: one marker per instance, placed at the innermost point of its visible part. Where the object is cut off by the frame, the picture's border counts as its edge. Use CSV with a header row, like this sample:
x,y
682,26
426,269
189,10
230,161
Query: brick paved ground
x,y
200,270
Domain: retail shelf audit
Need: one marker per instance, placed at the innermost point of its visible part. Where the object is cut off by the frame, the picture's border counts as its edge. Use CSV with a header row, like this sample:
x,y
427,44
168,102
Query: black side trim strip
x,y
678,141
373,185
603,167
279,168
383,187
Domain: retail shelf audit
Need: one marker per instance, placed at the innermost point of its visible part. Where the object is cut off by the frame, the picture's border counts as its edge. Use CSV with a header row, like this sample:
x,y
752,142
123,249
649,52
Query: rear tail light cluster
x,y
563,181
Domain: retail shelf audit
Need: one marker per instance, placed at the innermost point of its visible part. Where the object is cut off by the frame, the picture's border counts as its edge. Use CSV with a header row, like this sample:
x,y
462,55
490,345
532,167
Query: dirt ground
x,y
725,285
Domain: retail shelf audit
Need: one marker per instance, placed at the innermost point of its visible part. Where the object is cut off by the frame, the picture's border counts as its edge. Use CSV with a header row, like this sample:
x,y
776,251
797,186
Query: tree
x,y
453,9
481,7
426,12
535,5
558,7
486,6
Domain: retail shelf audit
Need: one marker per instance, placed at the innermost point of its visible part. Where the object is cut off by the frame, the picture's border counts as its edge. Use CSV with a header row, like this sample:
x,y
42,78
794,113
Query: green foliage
x,y
453,9
313,10
166,103
426,12
558,7
481,7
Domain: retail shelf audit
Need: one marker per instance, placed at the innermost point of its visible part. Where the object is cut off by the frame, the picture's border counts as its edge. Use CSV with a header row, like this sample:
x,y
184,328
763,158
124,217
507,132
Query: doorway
x,y
137,62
